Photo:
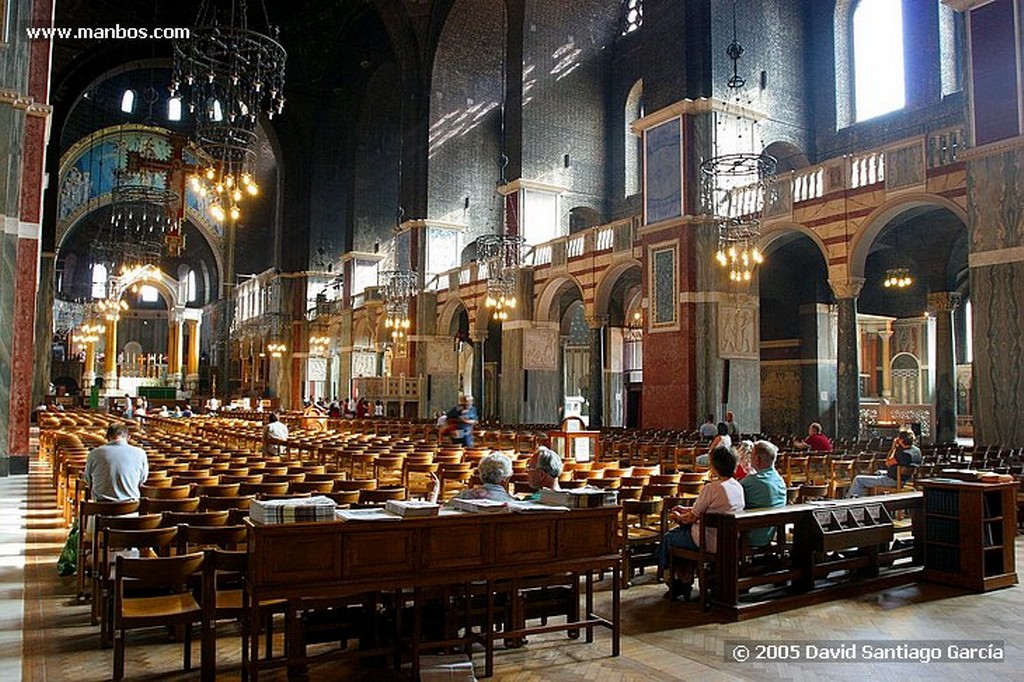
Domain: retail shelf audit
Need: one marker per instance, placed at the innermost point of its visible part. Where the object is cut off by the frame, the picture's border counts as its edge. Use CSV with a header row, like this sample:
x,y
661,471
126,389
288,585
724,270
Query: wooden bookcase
x,y
969,533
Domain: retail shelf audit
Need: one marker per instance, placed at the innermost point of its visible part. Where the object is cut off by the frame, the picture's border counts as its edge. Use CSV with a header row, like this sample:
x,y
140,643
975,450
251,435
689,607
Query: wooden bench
x,y
820,553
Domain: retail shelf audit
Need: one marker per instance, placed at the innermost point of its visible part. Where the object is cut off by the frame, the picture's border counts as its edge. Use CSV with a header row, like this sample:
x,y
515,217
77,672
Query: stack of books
x,y
480,506
579,498
318,508
412,507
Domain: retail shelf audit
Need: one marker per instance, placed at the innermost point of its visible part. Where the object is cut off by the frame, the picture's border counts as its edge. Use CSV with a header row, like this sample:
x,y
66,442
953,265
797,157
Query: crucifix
x,y
175,171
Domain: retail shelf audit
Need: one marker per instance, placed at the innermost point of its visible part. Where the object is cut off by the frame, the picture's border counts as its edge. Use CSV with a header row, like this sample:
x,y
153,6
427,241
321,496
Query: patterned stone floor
x,y
661,640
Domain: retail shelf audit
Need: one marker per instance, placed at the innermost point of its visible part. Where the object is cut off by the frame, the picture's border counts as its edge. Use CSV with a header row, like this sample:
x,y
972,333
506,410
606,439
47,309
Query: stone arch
x,y
168,287
449,313
779,234
788,155
545,309
876,222
606,286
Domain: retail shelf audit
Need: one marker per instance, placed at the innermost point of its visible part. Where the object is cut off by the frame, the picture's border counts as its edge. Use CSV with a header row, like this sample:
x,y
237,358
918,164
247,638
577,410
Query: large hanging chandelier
x,y
736,191
397,287
502,254
227,74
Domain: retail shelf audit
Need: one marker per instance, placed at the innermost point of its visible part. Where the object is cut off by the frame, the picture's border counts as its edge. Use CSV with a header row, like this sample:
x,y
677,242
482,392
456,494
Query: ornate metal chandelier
x,y
736,189
898,278
397,288
502,254
227,74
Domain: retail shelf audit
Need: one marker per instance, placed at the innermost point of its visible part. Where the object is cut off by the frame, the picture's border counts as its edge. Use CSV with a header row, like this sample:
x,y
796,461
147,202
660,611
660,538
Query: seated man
x,y
275,433
115,471
720,495
816,440
708,430
763,488
904,454
544,468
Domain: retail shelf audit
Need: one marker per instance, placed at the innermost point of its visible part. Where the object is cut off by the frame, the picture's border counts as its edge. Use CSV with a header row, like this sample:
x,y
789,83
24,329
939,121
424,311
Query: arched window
x,y
191,291
128,101
174,109
99,280
878,58
148,294
633,152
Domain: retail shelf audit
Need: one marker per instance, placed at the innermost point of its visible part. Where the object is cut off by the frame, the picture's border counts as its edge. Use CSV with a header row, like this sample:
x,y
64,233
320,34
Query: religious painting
x,y
663,172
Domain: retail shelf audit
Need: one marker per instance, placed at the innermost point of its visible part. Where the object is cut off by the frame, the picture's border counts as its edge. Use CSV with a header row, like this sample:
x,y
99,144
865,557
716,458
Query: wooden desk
x,y
339,559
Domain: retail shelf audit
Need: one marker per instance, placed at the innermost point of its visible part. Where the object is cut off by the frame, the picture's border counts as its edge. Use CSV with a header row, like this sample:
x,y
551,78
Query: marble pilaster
x,y
942,304
597,327
847,357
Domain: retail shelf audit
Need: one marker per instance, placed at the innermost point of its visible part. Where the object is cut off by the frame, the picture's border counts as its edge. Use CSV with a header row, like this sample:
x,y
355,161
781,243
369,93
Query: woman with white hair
x,y
494,471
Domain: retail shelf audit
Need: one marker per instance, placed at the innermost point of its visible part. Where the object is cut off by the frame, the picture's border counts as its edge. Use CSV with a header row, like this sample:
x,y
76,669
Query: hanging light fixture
x,y
277,349
897,278
736,190
397,288
502,255
228,73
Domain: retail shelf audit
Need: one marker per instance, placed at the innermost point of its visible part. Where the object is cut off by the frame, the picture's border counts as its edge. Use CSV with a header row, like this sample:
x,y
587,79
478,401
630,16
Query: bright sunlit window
x,y
190,287
878,58
174,109
99,280
128,101
148,294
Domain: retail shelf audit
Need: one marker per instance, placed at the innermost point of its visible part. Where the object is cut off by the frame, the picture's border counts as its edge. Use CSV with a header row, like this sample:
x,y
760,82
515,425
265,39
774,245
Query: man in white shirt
x,y
115,471
275,430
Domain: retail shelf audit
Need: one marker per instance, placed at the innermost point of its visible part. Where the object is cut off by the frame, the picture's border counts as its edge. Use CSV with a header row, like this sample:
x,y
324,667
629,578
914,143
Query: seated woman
x,y
722,438
720,495
494,471
744,465
544,468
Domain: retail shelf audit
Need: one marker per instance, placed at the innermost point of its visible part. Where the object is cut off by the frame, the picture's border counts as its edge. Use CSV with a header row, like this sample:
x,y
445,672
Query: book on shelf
x,y
480,506
412,508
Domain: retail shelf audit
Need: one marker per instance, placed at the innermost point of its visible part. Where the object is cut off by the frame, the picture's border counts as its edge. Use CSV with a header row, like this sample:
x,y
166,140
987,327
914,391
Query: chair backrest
x,y
165,492
216,489
205,537
184,504
379,496
228,503
172,572
207,518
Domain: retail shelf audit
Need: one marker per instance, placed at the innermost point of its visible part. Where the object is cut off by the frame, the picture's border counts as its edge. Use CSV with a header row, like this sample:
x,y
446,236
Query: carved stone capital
x,y
943,301
597,321
846,288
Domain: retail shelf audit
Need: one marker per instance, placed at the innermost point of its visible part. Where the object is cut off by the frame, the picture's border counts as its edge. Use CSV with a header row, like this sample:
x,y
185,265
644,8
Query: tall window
x,y
190,287
878,58
633,148
174,109
99,280
633,15
148,294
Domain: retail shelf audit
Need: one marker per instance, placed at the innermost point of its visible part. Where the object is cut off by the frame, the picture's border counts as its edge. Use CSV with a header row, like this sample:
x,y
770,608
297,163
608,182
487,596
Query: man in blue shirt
x,y
763,488
115,471
464,424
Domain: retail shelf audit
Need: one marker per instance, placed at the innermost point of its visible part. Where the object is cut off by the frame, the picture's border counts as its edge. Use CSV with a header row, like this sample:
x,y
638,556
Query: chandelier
x,y
736,191
227,74
635,329
502,254
88,333
897,278
397,288
277,349
144,214
319,343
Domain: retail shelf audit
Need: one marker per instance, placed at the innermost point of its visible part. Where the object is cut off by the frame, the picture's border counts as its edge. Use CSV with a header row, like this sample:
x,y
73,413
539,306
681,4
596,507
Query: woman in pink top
x,y
721,495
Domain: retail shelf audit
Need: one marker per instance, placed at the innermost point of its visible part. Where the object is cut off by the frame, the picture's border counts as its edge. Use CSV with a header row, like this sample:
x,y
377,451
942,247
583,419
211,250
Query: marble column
x,y
110,356
192,365
89,367
886,337
847,357
597,327
174,328
478,337
942,304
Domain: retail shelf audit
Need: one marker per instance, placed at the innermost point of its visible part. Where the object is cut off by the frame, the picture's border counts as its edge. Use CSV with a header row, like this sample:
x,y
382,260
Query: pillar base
x,y
110,382
191,382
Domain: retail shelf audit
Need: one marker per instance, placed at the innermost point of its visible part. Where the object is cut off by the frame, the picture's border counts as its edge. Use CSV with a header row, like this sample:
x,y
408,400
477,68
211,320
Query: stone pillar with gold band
x,y
847,357
886,337
110,356
174,328
192,364
941,304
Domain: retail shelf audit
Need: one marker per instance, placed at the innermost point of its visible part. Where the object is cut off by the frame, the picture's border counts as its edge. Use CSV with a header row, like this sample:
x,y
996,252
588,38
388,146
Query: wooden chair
x,y
378,496
178,608
641,533
261,489
170,492
87,512
216,489
140,539
205,518
225,503
196,538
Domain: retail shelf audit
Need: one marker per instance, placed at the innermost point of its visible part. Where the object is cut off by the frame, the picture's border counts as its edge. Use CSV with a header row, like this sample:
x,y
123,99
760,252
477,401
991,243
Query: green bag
x,y
68,561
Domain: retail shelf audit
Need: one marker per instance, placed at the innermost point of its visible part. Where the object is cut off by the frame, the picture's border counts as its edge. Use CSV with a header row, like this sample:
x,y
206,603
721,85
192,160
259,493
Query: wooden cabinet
x,y
969,533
